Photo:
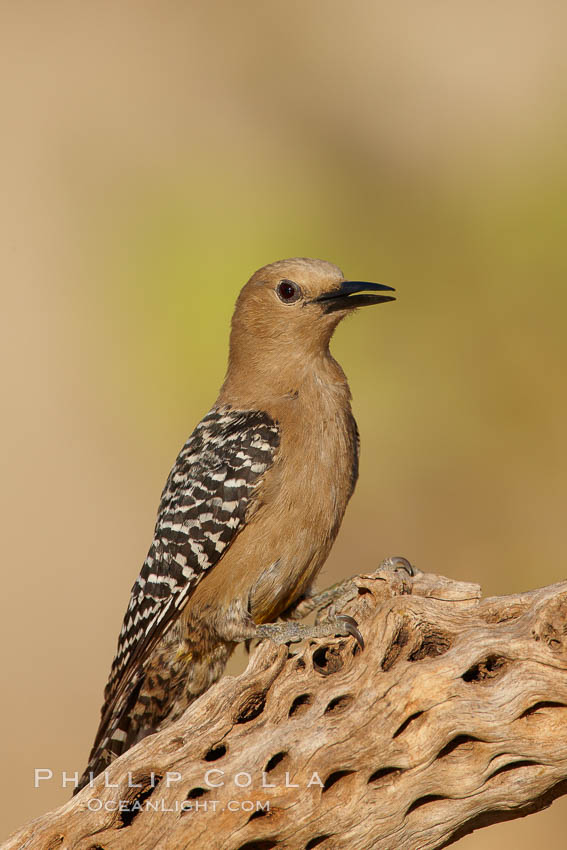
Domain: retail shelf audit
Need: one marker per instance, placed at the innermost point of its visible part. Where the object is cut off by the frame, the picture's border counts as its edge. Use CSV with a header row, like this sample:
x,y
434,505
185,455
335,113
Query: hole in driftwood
x,y
399,640
300,664
541,706
339,704
515,765
433,642
195,793
407,722
327,660
335,777
136,805
251,708
274,761
424,801
266,844
383,775
260,813
216,752
488,668
315,842
300,704
461,742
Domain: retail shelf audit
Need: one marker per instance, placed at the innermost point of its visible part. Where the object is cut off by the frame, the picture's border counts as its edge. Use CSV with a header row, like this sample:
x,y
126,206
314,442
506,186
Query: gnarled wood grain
x,y
453,717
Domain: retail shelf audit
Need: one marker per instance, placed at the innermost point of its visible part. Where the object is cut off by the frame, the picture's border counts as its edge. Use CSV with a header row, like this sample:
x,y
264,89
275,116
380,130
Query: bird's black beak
x,y
354,293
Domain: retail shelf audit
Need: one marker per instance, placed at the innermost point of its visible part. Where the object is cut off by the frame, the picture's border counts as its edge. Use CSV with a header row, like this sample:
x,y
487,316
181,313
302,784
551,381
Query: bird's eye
x,y
288,291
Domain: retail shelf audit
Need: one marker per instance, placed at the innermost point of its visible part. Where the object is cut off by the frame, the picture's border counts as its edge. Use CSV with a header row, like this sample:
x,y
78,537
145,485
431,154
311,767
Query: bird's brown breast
x,y
299,508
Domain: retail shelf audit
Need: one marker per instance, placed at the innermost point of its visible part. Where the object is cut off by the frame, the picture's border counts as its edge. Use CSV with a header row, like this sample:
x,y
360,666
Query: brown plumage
x,y
251,508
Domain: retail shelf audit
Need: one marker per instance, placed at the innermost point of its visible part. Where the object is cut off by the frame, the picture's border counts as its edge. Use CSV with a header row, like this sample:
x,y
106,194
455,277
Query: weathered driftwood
x,y
453,717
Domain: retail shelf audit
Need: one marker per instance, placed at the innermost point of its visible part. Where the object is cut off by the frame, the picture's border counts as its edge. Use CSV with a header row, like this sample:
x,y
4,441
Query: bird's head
x,y
300,302
286,314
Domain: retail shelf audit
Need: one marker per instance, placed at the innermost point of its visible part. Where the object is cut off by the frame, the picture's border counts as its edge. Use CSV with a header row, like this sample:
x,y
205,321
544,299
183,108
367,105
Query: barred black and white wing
x,y
208,495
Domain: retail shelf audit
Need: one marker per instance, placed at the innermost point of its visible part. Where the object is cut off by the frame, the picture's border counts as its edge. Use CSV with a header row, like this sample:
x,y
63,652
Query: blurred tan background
x,y
153,156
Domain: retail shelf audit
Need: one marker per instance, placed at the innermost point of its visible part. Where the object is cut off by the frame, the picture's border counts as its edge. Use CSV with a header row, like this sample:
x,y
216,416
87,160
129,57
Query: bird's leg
x,y
339,594
291,632
328,623
326,603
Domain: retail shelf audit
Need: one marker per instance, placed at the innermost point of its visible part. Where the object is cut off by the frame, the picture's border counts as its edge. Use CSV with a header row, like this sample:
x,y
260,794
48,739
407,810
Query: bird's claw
x,y
351,628
398,562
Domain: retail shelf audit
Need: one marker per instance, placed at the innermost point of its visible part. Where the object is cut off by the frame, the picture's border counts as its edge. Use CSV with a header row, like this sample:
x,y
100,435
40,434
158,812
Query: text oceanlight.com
x,y
195,806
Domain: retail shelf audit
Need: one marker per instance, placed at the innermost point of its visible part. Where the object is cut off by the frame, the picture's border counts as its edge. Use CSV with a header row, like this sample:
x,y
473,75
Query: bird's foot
x,y
338,595
291,632
327,602
398,562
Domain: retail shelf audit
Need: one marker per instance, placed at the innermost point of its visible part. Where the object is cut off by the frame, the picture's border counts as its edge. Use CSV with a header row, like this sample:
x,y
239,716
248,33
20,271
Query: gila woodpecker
x,y
251,507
